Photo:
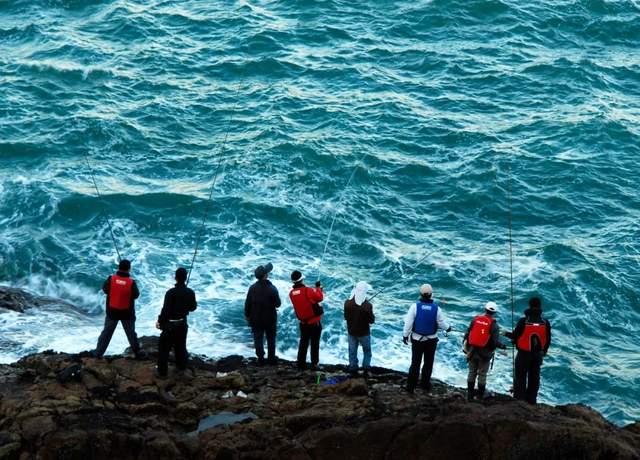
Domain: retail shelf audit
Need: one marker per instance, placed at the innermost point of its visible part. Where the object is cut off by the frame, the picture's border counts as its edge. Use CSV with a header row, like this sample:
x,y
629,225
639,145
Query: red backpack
x,y
480,331
120,292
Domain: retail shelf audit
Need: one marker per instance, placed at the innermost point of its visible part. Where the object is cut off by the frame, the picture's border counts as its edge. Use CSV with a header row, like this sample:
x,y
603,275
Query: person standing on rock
x,y
122,292
358,312
421,323
260,311
532,337
179,301
306,304
480,342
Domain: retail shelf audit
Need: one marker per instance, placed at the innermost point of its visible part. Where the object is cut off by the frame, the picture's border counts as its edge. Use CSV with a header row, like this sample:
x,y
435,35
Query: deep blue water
x,y
432,103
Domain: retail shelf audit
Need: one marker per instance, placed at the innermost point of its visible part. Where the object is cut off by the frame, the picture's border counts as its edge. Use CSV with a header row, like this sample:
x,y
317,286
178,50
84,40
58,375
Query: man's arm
x,y
276,297
315,295
193,303
106,285
495,337
247,303
442,323
409,319
164,313
135,292
546,347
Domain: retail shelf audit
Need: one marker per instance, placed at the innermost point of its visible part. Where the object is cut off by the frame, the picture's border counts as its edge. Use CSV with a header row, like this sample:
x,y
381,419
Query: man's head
x,y
491,308
535,303
262,272
181,275
124,265
426,291
297,276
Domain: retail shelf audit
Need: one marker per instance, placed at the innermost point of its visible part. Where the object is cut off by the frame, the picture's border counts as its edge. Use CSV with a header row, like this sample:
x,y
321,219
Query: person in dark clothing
x,y
122,291
532,338
306,304
421,324
480,342
179,301
358,312
260,312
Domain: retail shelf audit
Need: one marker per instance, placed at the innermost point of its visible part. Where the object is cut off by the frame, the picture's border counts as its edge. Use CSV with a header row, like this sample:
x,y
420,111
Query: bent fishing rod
x,y
509,201
101,200
335,214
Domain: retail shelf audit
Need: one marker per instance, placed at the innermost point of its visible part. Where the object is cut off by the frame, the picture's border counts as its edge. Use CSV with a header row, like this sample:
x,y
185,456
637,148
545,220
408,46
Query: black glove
x,y
405,340
318,284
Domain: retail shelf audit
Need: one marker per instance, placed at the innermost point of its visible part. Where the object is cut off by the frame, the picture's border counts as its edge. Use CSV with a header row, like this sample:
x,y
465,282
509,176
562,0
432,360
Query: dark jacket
x,y
130,313
358,317
487,351
178,302
534,316
261,303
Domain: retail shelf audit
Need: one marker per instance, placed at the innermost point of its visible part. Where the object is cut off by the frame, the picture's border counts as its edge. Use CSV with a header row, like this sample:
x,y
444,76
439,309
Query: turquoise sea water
x,y
431,102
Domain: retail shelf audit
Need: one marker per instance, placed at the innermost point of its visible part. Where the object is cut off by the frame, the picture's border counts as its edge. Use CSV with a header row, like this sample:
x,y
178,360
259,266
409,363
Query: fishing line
x,y
509,201
213,183
106,215
335,214
416,265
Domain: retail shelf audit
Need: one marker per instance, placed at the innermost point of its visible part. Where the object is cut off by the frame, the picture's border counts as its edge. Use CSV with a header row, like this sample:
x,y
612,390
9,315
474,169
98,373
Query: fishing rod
x,y
213,182
335,214
509,201
106,215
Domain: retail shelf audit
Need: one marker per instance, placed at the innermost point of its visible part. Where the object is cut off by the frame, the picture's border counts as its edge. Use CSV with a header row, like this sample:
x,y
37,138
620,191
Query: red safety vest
x,y
120,292
302,304
480,331
532,329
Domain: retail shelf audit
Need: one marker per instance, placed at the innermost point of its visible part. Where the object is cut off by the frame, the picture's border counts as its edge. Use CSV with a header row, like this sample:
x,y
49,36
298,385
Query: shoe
x,y
301,366
158,374
409,390
481,389
314,367
470,391
260,362
354,374
141,354
272,361
426,387
365,373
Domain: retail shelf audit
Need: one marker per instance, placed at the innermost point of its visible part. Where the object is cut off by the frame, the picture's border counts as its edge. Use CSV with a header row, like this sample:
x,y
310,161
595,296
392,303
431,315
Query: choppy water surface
x,y
432,103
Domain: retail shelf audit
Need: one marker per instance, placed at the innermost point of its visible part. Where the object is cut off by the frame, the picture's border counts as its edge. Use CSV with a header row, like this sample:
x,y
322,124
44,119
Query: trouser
x,y
258,341
174,335
309,334
421,349
527,376
365,342
478,367
129,326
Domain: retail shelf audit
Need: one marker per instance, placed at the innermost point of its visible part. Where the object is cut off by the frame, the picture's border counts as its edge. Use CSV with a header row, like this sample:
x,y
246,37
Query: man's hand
x,y
405,340
318,284
157,324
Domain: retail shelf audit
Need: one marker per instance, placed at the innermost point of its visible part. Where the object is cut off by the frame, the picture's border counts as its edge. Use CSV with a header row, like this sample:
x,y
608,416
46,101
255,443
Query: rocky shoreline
x,y
234,409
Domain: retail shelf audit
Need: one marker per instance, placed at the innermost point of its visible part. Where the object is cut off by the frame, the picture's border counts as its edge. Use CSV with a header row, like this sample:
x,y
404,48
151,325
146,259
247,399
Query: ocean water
x,y
433,106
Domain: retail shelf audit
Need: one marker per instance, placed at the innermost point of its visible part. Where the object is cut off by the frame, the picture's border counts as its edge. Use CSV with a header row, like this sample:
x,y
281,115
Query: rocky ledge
x,y
116,408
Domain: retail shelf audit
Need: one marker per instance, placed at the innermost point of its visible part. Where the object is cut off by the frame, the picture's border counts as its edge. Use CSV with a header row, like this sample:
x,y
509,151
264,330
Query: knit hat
x,y
297,276
426,289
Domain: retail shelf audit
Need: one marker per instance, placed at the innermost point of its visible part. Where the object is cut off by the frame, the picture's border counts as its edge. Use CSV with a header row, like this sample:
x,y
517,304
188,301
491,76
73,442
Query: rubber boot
x,y
470,391
481,389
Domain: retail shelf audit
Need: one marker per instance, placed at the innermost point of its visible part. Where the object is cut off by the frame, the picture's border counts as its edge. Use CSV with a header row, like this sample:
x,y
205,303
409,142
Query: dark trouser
x,y
309,333
258,341
426,349
174,335
527,376
129,326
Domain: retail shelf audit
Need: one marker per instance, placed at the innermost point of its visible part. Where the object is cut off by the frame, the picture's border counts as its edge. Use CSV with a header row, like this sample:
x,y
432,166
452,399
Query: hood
x,y
359,292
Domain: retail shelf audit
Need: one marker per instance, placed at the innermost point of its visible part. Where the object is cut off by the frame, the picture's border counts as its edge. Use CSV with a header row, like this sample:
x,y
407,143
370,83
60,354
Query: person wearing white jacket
x,y
421,323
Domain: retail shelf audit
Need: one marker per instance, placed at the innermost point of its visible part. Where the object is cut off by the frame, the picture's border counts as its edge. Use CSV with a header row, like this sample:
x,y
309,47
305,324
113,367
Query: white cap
x,y
491,307
426,289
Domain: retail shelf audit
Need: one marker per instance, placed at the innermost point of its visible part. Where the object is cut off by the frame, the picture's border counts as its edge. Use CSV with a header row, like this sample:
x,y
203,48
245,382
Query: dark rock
x,y
19,300
121,410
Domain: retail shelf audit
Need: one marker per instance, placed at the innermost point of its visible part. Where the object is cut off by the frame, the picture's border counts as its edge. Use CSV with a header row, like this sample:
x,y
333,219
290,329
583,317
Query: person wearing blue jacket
x,y
421,324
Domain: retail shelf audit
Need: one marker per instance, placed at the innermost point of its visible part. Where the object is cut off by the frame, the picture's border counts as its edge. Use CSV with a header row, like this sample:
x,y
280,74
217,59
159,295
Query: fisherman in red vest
x,y
121,292
480,341
306,304
532,337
